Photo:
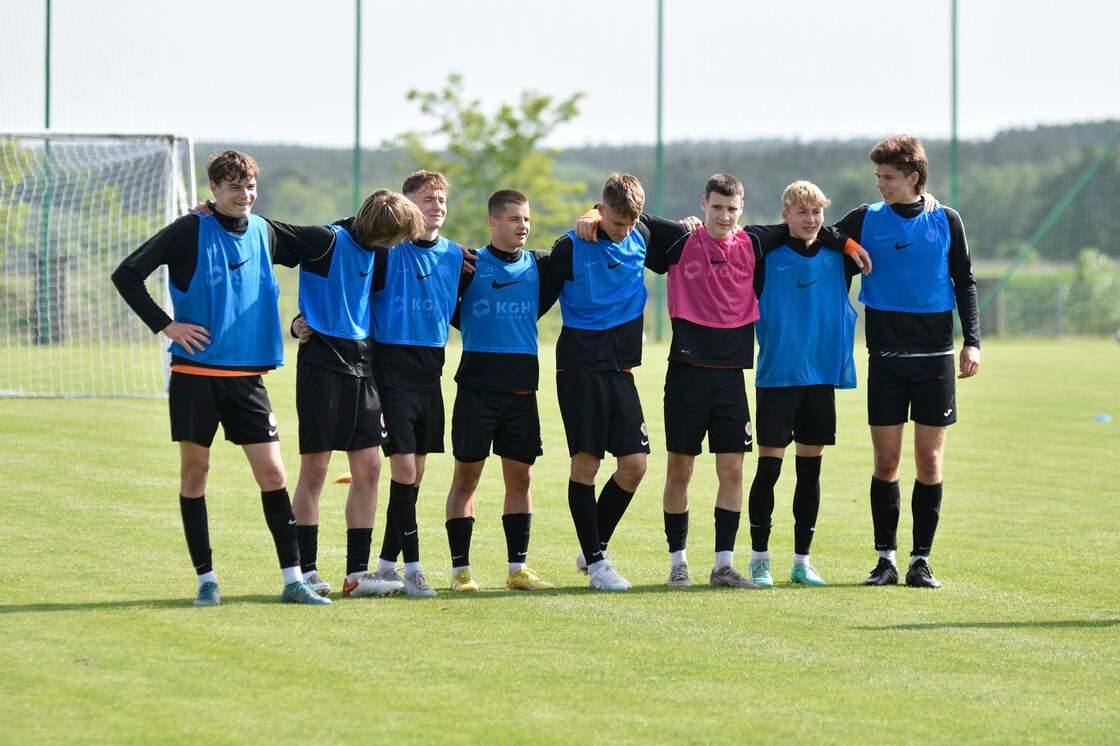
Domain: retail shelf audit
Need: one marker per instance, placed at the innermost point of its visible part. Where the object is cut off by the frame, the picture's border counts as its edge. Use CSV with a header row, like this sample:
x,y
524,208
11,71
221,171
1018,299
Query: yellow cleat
x,y
463,581
527,580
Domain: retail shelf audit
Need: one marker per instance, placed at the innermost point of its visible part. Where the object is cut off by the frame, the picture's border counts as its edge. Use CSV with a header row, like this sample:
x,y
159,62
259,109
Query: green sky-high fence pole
x,y
43,328
357,104
953,145
659,166
1052,218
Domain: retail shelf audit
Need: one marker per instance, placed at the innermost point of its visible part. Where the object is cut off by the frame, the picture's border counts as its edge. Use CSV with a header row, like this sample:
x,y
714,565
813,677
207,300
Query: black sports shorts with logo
x,y
926,387
700,400
601,412
415,420
337,412
240,403
509,420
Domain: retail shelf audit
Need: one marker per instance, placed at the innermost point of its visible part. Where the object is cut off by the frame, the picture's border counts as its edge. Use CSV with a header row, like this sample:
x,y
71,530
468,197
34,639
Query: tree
x,y
481,154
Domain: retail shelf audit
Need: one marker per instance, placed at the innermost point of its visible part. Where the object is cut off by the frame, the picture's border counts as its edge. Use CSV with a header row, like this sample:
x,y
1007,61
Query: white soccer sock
x,y
207,577
800,559
915,557
516,567
889,555
723,559
455,569
594,566
291,574
677,558
384,565
760,556
411,568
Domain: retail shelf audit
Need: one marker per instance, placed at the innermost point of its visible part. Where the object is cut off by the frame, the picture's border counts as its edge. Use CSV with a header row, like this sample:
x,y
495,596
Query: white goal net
x,y
71,208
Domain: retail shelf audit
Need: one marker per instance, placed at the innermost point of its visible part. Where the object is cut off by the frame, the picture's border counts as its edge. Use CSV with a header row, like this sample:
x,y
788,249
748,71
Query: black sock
x,y
925,504
282,524
402,504
459,532
581,501
806,501
358,541
613,502
391,543
727,527
308,538
760,503
885,506
516,526
676,531
197,528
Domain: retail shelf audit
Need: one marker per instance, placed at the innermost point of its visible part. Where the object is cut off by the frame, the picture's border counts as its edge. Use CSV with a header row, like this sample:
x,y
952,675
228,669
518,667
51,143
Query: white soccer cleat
x,y
606,578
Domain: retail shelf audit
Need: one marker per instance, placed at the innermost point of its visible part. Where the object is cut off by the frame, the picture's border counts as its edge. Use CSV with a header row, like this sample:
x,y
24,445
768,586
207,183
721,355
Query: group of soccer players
x,y
379,291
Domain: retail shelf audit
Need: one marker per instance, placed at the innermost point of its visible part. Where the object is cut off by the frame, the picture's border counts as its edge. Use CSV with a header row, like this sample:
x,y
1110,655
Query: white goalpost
x,y
72,206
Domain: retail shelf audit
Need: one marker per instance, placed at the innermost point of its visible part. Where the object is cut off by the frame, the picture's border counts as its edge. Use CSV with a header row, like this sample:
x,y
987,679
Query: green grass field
x,y
1021,645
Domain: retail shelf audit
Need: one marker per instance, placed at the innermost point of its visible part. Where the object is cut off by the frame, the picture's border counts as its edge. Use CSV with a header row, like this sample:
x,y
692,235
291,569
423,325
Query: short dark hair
x,y
503,197
724,184
231,165
904,153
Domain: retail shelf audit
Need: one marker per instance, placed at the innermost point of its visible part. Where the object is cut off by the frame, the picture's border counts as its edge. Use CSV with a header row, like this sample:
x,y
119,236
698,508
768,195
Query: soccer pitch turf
x,y
1020,645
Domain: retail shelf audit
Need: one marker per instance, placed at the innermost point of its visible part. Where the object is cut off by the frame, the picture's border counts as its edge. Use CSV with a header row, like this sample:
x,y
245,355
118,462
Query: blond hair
x,y
386,219
804,193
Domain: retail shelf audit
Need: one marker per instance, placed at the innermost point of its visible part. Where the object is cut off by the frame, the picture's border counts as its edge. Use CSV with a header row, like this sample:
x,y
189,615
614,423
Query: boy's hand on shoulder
x,y
187,336
587,227
929,201
691,223
470,256
202,208
859,255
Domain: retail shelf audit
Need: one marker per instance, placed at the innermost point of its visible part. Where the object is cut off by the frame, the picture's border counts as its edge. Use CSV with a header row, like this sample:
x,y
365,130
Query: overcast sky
x,y
282,71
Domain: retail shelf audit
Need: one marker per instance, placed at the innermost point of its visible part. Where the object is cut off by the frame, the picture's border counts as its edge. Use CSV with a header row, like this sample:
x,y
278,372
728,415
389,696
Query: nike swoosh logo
x,y
718,261
612,266
645,442
292,522
900,246
421,277
499,285
271,432
802,285
410,533
363,274
233,266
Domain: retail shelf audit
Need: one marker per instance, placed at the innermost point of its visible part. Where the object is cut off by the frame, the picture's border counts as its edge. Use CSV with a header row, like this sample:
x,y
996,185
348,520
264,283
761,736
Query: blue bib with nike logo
x,y
498,311
909,259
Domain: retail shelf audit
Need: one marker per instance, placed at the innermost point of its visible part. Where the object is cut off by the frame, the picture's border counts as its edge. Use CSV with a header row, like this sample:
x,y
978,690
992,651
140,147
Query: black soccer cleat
x,y
885,573
919,575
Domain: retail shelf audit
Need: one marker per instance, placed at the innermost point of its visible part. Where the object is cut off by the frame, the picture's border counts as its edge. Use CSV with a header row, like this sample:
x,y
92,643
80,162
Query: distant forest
x,y
1008,185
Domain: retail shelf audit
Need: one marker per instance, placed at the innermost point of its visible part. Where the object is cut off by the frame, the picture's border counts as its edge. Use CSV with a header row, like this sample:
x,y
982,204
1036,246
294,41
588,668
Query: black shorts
x,y
712,401
415,421
510,421
337,412
601,412
926,387
240,403
806,414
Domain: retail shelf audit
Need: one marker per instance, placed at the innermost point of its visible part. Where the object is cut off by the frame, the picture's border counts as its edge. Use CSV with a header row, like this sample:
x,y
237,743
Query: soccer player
x,y
225,335
411,317
496,402
922,270
601,287
806,331
336,397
